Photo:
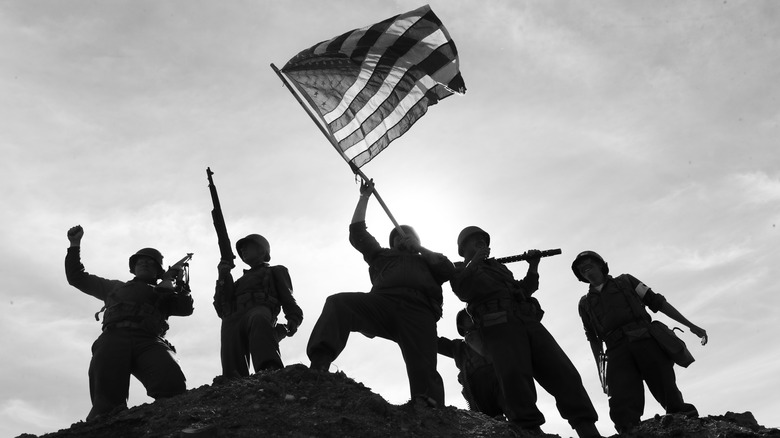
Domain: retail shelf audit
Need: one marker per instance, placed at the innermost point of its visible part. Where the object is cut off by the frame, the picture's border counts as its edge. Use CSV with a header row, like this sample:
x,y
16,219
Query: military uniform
x,y
616,315
476,375
403,306
249,308
133,339
509,321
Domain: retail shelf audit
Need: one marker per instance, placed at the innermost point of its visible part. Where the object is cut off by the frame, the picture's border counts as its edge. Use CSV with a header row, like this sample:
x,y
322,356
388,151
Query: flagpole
x,y
356,170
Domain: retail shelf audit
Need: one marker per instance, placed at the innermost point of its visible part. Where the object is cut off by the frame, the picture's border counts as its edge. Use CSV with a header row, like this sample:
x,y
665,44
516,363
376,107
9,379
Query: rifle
x,y
224,292
225,250
601,362
524,256
177,277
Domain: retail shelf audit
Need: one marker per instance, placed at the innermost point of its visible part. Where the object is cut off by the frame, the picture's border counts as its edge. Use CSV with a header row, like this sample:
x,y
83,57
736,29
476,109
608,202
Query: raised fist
x,y
75,234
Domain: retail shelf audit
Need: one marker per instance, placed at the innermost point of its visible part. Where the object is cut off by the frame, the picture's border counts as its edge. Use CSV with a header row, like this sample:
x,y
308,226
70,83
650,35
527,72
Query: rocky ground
x,y
299,403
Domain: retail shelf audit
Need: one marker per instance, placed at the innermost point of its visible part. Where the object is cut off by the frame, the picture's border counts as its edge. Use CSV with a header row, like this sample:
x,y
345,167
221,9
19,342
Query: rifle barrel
x,y
524,256
223,240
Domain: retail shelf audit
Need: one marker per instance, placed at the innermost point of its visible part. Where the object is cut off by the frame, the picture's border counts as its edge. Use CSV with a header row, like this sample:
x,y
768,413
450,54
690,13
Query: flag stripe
x,y
369,112
370,85
418,54
384,128
380,54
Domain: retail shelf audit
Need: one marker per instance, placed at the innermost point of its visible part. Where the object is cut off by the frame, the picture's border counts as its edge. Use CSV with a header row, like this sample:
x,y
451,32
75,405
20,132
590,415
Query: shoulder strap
x,y
637,306
585,302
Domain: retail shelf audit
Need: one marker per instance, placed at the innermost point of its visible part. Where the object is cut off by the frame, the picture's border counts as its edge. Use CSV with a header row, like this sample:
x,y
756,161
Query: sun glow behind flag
x,y
368,86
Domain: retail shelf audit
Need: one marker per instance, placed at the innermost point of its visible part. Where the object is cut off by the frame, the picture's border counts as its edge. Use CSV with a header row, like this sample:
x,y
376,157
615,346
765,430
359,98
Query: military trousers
x,y
406,320
119,353
522,350
245,335
484,391
629,364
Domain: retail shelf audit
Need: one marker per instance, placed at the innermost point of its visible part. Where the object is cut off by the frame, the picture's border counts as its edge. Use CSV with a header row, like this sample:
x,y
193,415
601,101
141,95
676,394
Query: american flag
x,y
370,85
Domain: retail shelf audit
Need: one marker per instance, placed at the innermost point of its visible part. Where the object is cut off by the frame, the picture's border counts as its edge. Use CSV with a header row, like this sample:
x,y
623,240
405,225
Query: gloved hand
x,y
292,327
280,332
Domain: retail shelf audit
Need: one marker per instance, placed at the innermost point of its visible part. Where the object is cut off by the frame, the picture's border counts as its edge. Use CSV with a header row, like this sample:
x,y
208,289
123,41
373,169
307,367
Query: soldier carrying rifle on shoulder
x,y
508,320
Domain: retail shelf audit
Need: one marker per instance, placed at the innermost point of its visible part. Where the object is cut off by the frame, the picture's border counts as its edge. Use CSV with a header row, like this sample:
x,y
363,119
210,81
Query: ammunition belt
x,y
520,309
125,324
632,331
249,300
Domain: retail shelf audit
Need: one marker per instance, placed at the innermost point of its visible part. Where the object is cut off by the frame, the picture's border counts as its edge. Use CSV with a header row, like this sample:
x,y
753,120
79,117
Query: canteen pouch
x,y
671,344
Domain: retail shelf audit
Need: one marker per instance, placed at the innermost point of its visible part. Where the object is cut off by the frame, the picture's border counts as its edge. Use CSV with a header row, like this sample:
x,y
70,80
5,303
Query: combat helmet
x,y
588,255
258,239
464,322
407,230
152,254
468,231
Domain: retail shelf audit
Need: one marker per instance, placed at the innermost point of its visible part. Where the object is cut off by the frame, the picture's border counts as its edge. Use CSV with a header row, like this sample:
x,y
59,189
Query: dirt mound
x,y
297,402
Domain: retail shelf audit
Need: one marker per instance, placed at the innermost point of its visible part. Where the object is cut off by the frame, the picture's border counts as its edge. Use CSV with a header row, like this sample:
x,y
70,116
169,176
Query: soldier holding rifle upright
x,y
249,306
508,319
134,326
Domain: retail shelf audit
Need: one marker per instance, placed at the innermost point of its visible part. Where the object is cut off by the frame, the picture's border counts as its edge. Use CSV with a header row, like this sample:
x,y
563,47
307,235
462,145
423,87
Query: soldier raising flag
x,y
364,89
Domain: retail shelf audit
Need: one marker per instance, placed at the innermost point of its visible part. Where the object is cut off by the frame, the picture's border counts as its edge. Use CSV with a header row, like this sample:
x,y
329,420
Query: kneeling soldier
x,y
134,326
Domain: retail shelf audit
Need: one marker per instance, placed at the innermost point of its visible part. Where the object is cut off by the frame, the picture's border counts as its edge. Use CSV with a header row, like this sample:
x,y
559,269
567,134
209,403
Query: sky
x,y
645,131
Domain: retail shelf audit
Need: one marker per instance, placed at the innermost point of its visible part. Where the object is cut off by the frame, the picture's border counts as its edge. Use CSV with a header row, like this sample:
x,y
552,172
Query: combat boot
x,y
587,430
319,363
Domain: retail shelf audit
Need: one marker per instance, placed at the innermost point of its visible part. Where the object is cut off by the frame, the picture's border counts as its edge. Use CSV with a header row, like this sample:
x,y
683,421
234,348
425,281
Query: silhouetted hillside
x,y
297,402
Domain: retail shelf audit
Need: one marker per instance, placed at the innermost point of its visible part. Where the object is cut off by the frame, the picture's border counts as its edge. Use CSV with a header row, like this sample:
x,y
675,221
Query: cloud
x,y
17,415
694,259
757,187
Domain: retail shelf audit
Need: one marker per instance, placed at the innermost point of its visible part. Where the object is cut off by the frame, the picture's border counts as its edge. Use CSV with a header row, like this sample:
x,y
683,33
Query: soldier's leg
x,y
109,372
626,389
263,347
233,347
486,392
342,314
558,376
657,368
156,366
417,338
508,346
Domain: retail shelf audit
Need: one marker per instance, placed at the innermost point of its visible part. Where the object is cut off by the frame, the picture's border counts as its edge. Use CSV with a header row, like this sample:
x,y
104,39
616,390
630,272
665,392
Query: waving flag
x,y
368,86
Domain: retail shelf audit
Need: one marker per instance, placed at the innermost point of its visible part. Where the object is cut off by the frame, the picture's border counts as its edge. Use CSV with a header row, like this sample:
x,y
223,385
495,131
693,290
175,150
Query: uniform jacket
x,y
392,271
135,302
466,358
468,362
265,285
491,280
619,306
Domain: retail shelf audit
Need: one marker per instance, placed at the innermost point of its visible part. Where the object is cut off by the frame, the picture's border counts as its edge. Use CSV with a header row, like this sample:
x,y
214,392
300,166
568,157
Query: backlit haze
x,y
646,131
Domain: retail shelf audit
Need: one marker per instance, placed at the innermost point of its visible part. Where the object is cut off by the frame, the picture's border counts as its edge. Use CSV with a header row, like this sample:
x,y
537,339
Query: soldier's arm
x,y
292,312
670,311
77,276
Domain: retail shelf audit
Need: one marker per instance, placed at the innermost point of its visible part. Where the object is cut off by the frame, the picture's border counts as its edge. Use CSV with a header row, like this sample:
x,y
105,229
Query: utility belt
x,y
123,311
496,311
633,331
123,324
250,300
138,316
148,327
431,301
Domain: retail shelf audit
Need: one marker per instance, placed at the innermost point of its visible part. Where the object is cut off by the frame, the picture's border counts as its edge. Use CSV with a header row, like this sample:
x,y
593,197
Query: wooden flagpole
x,y
356,170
